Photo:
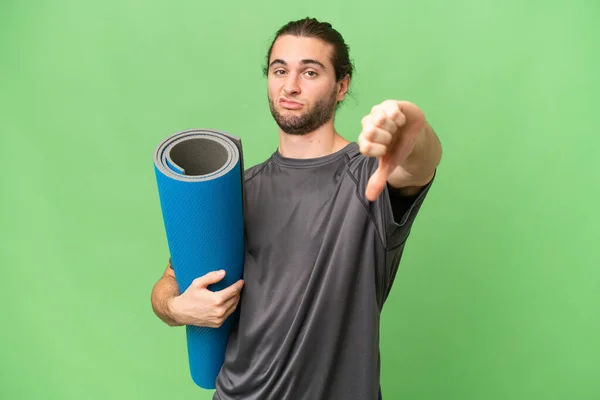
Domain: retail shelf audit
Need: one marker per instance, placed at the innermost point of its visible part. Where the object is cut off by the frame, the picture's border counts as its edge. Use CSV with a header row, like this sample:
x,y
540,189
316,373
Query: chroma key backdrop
x,y
498,294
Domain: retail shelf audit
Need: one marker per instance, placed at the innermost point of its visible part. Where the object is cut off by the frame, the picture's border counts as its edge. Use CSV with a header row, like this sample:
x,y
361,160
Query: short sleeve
x,y
393,213
399,213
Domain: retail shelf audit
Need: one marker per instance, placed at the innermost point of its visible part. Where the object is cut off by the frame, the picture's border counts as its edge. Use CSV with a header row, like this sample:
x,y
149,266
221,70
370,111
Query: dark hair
x,y
312,28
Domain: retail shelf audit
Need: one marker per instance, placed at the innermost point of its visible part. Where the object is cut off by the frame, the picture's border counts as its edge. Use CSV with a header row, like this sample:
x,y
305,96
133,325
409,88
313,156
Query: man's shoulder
x,y
254,170
359,163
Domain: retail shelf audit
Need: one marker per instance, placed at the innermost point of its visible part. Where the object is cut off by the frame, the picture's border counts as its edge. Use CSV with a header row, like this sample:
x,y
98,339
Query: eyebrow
x,y
303,62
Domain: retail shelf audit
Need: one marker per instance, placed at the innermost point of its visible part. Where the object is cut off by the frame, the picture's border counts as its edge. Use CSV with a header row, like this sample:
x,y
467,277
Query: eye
x,y
279,72
311,74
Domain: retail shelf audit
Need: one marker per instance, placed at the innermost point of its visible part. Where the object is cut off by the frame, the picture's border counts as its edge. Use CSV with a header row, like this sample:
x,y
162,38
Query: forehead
x,y
293,49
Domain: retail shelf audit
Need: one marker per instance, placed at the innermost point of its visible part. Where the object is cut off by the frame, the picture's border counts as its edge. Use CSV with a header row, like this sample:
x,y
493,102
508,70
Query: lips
x,y
290,105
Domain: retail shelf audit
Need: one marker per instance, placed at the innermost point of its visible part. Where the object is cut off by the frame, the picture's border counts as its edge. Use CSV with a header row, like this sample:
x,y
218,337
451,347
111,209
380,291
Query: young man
x,y
326,224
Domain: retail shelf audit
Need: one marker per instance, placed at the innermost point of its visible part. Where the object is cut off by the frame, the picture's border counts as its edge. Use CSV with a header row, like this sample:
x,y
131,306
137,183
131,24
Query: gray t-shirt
x,y
320,262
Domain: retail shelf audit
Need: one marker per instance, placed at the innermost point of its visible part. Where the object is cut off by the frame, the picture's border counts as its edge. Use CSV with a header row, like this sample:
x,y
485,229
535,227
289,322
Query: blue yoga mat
x,y
199,174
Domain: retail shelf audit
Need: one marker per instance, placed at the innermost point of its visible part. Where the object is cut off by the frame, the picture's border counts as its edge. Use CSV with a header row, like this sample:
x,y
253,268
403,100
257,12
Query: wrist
x,y
174,313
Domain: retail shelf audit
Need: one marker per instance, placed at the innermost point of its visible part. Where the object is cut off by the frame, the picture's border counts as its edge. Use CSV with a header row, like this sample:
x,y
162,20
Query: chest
x,y
292,211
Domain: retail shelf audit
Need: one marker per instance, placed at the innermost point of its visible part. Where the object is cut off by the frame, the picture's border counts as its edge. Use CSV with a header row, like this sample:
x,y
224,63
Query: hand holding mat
x,y
200,306
199,174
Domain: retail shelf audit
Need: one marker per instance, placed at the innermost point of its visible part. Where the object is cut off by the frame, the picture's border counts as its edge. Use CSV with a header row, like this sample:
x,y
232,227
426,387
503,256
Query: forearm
x,y
163,292
425,156
418,168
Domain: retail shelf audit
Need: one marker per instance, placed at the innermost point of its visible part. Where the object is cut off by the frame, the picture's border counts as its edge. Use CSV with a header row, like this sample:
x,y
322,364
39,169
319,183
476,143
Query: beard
x,y
315,117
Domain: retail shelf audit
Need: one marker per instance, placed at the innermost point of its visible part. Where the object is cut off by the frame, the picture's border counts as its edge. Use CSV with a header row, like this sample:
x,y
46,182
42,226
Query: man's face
x,y
302,89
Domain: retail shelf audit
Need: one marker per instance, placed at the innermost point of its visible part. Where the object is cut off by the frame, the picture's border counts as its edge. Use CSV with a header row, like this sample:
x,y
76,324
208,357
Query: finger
x,y
377,181
221,313
375,185
231,305
393,112
380,119
399,119
231,291
415,114
209,279
374,134
371,149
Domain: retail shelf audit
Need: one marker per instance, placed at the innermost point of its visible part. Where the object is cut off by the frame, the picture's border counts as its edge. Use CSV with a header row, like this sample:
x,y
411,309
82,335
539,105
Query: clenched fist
x,y
389,133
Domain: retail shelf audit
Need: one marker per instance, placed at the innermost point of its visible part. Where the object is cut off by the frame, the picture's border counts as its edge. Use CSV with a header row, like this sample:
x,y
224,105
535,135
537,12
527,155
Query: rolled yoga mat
x,y
199,174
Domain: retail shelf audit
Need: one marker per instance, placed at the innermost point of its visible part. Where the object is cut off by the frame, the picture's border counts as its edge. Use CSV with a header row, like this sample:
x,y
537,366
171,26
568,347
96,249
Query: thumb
x,y
206,280
377,181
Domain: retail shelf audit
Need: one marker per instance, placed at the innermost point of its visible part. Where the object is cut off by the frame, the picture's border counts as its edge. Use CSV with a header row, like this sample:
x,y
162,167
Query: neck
x,y
318,143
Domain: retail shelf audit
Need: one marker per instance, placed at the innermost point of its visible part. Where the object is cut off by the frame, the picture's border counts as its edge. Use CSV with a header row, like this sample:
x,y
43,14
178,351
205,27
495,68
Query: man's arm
x,y
198,305
419,167
407,148
164,291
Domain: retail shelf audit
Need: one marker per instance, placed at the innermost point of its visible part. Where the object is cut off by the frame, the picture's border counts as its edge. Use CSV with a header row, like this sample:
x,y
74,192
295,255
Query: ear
x,y
343,86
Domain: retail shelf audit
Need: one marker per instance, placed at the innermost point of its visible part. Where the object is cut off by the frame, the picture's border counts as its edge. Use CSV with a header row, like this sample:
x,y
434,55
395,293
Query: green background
x,y
498,296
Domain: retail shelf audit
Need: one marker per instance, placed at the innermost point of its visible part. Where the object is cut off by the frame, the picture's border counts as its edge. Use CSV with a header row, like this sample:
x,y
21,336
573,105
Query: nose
x,y
291,86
